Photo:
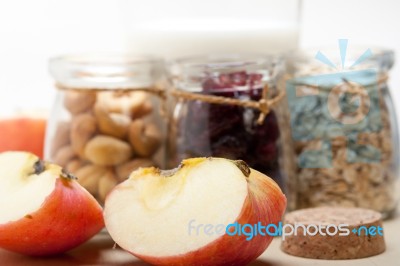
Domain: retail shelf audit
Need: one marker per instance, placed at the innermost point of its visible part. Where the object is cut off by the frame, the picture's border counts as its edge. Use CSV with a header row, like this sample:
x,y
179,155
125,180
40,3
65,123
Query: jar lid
x,y
365,78
106,71
327,60
190,73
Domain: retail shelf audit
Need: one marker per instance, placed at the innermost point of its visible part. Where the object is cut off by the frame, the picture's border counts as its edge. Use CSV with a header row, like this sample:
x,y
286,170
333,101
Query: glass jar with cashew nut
x,y
107,118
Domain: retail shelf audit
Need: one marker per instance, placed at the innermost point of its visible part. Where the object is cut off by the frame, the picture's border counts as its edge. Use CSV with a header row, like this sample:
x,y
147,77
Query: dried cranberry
x,y
231,147
224,120
267,152
210,84
268,130
221,82
224,81
255,78
238,78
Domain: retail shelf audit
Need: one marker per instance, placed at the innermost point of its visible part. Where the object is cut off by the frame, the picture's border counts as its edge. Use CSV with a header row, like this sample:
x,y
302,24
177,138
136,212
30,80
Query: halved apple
x,y
171,217
43,210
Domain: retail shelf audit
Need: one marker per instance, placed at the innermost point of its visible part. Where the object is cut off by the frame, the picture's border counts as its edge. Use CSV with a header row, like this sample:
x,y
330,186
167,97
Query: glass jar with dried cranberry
x,y
231,107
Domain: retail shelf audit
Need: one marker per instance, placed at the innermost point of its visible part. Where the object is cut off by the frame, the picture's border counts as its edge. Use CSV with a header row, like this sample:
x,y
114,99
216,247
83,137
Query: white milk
x,y
182,37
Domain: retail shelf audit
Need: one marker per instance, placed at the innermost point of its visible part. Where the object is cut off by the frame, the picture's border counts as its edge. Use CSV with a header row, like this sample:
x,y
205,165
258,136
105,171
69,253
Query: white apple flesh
x,y
43,210
150,214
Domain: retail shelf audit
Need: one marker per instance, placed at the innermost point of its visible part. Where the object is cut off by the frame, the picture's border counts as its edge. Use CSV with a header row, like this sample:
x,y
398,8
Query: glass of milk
x,y
177,28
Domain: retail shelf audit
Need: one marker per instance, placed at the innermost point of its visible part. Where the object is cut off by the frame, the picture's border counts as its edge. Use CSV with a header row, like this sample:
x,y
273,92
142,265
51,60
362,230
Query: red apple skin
x,y
68,217
23,134
265,203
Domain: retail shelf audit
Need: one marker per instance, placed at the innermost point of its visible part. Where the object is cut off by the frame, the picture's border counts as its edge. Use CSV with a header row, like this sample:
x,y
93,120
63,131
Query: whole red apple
x,y
43,210
168,217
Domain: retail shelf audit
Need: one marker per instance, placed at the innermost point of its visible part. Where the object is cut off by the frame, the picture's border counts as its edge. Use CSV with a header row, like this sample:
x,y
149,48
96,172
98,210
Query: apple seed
x,y
39,167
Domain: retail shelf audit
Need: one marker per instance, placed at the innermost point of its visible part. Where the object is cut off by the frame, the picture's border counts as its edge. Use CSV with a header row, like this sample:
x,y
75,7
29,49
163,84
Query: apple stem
x,y
242,165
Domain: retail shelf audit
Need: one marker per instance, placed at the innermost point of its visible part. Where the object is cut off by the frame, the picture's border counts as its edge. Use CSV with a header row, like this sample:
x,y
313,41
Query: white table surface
x,y
99,251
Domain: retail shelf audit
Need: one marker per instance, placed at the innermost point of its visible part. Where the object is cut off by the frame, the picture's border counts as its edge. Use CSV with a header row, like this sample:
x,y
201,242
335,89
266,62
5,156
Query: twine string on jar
x,y
263,105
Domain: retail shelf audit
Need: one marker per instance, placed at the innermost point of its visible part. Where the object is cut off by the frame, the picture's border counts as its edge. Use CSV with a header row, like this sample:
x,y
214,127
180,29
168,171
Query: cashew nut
x,y
77,102
124,170
112,124
106,184
145,138
83,128
107,151
145,109
64,155
127,103
73,165
61,137
89,176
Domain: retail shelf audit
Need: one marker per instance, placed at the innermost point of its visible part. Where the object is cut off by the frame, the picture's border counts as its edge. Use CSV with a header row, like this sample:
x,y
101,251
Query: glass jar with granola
x,y
344,130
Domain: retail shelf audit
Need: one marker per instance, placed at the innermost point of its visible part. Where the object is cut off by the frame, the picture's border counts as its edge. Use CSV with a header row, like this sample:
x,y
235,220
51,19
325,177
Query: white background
x,y
33,31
